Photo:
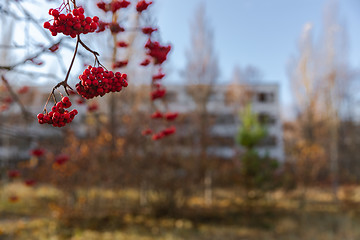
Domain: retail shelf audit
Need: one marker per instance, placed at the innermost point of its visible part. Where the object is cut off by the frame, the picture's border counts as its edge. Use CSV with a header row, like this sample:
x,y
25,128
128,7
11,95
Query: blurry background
x,y
266,142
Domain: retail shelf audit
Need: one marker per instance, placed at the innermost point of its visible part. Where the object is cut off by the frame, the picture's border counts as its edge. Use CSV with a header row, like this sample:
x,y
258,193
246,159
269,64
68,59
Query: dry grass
x,y
98,214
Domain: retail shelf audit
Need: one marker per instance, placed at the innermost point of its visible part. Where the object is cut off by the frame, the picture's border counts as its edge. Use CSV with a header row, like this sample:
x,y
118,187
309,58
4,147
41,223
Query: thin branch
x,y
26,114
96,54
64,83
11,46
36,55
73,59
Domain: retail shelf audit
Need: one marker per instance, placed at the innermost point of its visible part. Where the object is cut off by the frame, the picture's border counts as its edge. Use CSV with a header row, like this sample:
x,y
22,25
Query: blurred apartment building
x,y
223,107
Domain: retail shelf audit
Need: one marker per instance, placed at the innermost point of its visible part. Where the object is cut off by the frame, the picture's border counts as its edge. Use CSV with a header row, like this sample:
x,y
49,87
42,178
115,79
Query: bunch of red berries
x,y
71,24
58,116
166,132
158,76
61,159
157,51
120,64
148,30
142,5
169,116
95,81
113,6
159,92
13,174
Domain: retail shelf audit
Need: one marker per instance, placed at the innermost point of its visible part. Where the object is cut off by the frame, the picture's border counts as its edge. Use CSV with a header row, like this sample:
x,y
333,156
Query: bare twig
x,y
26,114
36,55
96,54
64,83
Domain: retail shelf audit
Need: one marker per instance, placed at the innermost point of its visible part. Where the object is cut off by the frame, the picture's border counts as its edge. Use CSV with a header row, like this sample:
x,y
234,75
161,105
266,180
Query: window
x,y
269,141
267,119
264,97
225,119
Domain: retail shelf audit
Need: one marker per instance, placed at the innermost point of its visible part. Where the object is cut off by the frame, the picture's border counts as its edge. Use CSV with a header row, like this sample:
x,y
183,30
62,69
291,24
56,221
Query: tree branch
x,y
26,114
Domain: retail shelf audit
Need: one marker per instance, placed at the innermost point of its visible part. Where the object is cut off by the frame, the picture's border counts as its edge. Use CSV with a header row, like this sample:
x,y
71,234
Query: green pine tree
x,y
257,171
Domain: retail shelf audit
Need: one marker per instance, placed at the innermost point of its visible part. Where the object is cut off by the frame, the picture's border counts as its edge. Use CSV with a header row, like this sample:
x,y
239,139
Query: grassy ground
x,y
41,213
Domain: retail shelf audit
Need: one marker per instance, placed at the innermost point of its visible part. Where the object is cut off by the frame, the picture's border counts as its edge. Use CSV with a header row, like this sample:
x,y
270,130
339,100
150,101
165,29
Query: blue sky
x,y
263,33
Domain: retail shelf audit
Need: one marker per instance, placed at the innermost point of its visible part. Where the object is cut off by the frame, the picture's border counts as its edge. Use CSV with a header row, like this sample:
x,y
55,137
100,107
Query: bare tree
x,y
201,73
320,76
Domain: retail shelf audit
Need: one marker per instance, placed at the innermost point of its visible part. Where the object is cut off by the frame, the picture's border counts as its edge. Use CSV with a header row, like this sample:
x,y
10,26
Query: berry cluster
x,y
95,81
113,6
93,107
61,159
58,116
37,152
158,52
13,174
166,132
148,30
145,62
169,116
120,64
142,5
115,27
23,90
158,76
71,24
159,92
122,44
30,182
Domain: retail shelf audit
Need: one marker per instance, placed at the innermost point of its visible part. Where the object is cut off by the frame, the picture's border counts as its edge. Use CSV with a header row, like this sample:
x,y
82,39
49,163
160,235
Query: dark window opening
x,y
266,97
265,118
269,141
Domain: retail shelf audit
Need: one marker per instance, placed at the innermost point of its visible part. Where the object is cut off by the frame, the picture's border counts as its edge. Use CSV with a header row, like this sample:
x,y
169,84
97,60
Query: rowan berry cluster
x,y
166,132
159,92
142,5
61,159
148,30
113,6
157,51
13,174
58,116
37,152
120,64
72,23
158,76
169,116
95,81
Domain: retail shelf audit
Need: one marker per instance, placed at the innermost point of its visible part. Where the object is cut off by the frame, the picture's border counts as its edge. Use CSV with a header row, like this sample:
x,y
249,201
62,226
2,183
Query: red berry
x,y
40,116
38,152
47,25
55,13
62,17
65,99
75,12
